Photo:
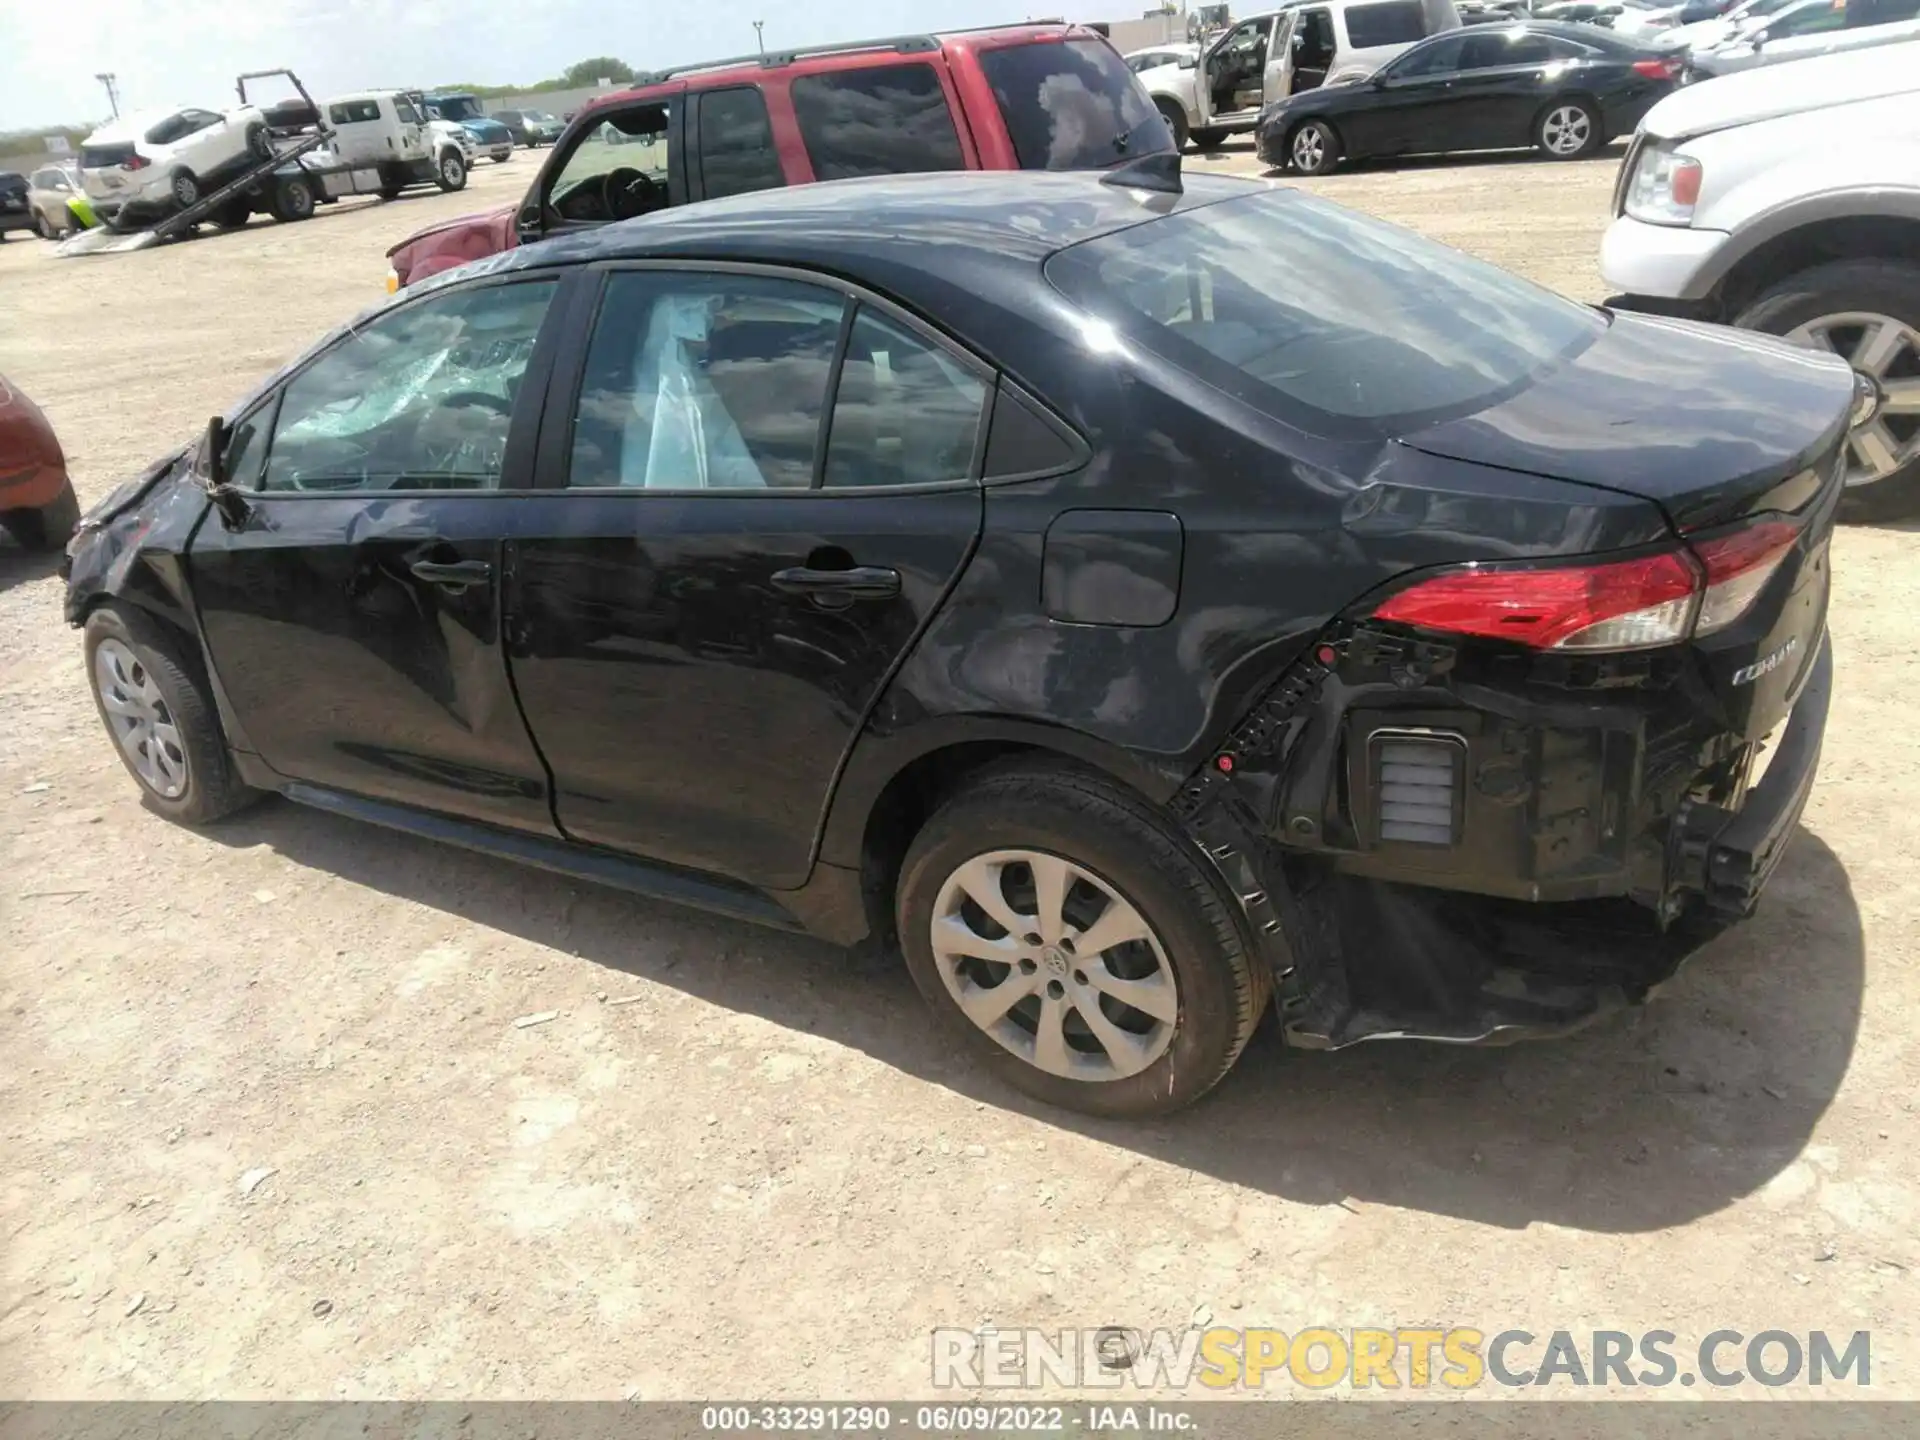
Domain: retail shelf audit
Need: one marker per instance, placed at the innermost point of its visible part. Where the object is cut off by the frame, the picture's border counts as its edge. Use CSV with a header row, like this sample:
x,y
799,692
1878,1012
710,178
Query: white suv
x,y
141,167
1788,200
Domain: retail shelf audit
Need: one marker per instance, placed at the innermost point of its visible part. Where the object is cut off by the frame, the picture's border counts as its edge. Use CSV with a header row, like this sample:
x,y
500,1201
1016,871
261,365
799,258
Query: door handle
x,y
454,574
858,582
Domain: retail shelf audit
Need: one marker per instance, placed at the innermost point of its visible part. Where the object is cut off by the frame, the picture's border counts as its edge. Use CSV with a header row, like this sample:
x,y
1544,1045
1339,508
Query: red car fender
x,y
33,469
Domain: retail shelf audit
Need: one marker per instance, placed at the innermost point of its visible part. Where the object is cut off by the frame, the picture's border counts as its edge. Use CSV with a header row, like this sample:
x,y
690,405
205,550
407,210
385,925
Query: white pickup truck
x,y
1787,200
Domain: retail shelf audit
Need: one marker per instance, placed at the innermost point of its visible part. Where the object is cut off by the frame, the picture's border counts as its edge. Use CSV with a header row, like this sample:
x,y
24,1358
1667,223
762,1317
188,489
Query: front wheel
x,y
1176,119
453,172
1868,313
1072,939
1568,129
1208,138
147,687
1314,148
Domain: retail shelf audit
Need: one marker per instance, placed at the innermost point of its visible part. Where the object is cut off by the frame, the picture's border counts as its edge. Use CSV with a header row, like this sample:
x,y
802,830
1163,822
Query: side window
x,y
1442,57
167,131
354,112
1490,51
194,121
1314,39
885,120
419,399
736,143
906,413
618,169
705,383
404,109
1389,22
1811,20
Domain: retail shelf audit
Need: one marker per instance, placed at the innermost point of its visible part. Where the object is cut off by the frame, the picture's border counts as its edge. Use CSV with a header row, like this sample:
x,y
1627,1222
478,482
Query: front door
x,y
1235,67
764,492
353,613
1418,107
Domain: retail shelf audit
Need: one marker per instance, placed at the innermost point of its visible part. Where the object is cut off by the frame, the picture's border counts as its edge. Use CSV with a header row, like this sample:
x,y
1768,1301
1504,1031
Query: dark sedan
x,y
1567,89
1139,604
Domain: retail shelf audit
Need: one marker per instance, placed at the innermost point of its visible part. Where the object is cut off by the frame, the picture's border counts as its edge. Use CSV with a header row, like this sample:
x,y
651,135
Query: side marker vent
x,y
1419,786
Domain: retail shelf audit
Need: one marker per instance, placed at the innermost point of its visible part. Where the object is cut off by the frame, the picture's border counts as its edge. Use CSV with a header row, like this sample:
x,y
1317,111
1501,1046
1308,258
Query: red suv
x,y
1023,97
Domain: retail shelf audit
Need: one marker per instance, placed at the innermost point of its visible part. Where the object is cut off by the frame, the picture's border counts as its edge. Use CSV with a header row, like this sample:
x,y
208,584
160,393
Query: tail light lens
x,y
1621,605
136,162
1636,604
1656,69
1738,568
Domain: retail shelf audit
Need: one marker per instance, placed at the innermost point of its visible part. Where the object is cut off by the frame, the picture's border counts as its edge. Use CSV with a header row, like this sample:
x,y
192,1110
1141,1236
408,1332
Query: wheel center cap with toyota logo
x,y
1055,959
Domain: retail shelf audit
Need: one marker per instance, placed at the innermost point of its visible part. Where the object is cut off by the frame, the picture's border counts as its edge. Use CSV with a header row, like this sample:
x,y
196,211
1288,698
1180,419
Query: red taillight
x,y
1738,568
1620,605
1656,69
135,162
1636,604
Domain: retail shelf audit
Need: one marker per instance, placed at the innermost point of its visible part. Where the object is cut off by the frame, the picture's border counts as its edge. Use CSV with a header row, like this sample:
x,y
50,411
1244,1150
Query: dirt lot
x,y
761,1177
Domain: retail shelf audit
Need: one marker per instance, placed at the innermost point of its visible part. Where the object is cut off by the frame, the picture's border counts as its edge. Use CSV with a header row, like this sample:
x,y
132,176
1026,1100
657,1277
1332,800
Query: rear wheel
x,y
292,200
1314,149
1070,938
47,528
186,189
1568,129
1176,119
148,689
234,214
1868,313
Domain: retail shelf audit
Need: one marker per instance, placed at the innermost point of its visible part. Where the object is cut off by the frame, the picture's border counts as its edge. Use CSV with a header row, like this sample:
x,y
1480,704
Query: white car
x,y
1158,57
1705,34
1807,28
144,166
1787,200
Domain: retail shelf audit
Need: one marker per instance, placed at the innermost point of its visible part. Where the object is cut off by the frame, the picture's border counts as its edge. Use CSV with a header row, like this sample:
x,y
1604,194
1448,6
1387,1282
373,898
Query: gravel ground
x,y
271,1130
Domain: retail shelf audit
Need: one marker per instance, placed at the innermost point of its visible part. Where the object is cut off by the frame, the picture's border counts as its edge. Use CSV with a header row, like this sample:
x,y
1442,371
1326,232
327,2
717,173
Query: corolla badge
x,y
1766,664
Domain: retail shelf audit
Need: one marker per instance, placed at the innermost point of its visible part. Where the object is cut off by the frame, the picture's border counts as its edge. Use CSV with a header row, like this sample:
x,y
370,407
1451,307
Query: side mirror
x,y
216,452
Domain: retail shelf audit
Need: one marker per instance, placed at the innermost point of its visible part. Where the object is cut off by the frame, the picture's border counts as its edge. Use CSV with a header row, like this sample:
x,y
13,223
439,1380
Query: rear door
x,y
353,615
891,117
756,490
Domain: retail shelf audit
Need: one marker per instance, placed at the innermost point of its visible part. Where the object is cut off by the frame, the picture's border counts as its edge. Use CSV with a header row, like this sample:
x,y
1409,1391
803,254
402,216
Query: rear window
x,y
1073,105
885,120
100,157
1324,318
1390,22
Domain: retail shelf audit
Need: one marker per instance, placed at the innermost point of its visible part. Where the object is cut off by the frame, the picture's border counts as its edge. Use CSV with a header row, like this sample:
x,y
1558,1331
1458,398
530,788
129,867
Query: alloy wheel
x,y
1566,130
1885,438
1055,964
140,719
1309,149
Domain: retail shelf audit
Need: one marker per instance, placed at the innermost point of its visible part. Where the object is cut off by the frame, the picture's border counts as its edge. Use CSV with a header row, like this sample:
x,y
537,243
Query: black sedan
x,y
1567,89
1139,604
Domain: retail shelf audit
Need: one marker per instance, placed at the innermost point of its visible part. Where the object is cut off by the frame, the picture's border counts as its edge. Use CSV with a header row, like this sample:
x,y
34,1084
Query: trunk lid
x,y
1704,421
1734,436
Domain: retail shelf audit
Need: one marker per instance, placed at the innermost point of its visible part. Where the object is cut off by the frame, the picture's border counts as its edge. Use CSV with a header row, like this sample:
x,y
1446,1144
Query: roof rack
x,y
773,59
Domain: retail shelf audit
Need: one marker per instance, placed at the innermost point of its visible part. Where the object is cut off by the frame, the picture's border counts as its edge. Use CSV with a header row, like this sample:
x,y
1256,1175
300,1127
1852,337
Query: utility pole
x,y
756,36
107,78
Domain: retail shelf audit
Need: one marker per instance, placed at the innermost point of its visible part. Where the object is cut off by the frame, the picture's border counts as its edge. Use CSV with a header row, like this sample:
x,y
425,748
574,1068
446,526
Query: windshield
x,y
1073,105
1326,319
457,107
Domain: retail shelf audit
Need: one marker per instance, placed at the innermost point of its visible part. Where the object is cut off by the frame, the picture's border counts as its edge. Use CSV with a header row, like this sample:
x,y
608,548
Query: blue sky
x,y
188,51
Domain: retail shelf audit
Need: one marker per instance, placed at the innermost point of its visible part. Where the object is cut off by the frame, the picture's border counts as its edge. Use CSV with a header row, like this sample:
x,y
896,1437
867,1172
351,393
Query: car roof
x,y
739,69
1019,217
133,124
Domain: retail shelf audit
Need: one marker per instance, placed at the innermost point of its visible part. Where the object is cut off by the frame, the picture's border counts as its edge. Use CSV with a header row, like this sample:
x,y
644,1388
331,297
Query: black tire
x,y
185,189
234,214
1176,119
1553,113
47,528
1221,985
292,200
452,172
259,142
1208,138
1880,287
1313,147
212,790
390,192
502,159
